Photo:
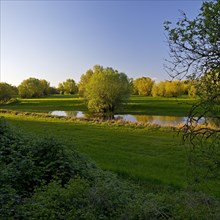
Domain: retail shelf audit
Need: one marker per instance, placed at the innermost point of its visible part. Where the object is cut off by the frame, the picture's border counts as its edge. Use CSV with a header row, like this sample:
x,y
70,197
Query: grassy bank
x,y
138,105
154,156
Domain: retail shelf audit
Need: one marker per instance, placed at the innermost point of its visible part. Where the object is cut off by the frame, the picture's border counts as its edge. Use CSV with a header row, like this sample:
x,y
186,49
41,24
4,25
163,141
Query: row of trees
x,y
147,86
34,88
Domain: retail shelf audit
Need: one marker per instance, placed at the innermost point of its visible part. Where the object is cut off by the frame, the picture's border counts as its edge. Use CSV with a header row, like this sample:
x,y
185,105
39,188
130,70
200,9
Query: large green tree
x,y
33,88
143,86
84,80
107,90
45,86
195,53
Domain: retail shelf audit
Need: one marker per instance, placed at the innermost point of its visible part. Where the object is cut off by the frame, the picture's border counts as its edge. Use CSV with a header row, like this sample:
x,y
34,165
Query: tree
x,y
195,53
174,88
84,80
143,85
107,90
159,89
52,90
31,88
6,91
68,87
60,88
45,86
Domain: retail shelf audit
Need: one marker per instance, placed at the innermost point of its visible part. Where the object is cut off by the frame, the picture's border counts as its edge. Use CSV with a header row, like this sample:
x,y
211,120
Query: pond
x,y
150,119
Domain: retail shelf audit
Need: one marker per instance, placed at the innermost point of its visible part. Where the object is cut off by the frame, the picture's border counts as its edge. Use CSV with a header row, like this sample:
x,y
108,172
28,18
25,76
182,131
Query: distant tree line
x,y
174,88
102,87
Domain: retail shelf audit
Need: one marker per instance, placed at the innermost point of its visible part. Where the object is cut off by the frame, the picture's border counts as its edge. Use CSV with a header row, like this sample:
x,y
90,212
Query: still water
x,y
150,119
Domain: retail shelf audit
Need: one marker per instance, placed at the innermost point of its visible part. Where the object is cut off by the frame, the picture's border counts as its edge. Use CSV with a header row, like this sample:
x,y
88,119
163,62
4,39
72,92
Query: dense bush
x,y
26,163
7,92
33,88
41,179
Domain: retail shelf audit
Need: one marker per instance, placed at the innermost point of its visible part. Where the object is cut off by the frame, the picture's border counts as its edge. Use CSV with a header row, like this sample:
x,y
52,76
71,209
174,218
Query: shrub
x,y
6,92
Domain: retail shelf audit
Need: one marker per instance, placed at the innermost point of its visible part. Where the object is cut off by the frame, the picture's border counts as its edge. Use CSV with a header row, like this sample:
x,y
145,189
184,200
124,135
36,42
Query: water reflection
x,y
75,114
154,119
149,119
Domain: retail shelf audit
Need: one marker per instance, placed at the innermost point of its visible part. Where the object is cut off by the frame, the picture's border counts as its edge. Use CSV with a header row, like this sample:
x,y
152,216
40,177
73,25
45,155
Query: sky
x,y
57,40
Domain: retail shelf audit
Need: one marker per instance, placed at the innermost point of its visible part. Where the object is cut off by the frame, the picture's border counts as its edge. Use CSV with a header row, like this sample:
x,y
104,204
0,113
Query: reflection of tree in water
x,y
71,113
174,119
144,118
160,120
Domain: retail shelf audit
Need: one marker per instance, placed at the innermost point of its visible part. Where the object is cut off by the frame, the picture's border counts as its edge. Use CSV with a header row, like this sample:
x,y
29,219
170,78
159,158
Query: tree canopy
x,y
143,86
68,87
7,91
84,80
33,88
195,44
107,90
195,53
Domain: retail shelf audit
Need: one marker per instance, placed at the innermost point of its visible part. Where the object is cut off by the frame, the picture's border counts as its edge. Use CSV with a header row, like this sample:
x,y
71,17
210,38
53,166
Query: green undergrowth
x,y
43,178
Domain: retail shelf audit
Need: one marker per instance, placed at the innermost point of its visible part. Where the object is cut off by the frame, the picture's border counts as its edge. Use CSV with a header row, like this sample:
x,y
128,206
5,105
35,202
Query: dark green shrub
x,y
26,163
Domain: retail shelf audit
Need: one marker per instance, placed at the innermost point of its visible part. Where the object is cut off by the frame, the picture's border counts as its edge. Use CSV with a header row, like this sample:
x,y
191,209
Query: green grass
x,y
134,152
140,105
152,156
137,105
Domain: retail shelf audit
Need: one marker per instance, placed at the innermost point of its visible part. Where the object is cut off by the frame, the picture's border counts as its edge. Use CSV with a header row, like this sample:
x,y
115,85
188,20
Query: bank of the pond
x,y
161,120
82,119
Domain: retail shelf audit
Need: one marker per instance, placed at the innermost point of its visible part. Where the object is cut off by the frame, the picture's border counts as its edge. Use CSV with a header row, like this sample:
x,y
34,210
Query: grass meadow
x,y
138,105
152,155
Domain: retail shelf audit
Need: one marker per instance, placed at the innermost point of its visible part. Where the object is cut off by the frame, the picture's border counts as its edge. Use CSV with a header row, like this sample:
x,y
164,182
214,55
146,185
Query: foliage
x,y
27,164
107,90
33,88
53,90
45,86
143,86
172,88
159,89
194,44
68,87
84,80
195,53
7,91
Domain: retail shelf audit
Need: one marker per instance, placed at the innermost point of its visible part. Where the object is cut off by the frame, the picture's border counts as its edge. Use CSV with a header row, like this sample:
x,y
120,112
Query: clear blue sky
x,y
56,40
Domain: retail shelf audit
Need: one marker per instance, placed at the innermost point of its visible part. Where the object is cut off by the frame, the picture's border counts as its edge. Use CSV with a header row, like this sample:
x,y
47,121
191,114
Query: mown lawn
x,y
151,155
140,105
137,105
